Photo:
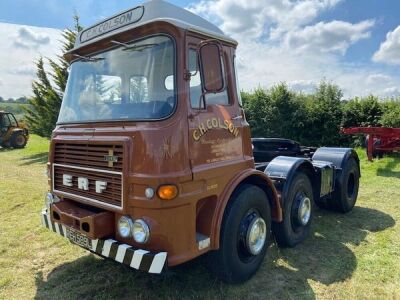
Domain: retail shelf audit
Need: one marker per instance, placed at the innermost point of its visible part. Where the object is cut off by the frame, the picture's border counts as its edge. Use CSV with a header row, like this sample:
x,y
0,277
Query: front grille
x,y
88,162
111,195
89,155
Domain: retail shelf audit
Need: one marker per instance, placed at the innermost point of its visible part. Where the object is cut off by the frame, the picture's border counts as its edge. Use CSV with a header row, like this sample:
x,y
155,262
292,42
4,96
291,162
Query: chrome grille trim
x,y
90,200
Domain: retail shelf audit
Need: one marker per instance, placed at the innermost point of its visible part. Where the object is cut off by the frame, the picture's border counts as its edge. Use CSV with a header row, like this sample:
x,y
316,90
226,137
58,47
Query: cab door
x,y
216,129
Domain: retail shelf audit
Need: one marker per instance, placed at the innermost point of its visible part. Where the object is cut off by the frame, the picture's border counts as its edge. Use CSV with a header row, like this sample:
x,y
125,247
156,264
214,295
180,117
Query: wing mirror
x,y
210,61
210,57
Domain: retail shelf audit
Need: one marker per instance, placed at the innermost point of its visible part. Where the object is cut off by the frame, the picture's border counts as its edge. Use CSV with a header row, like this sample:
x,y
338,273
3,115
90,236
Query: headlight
x,y
141,231
125,225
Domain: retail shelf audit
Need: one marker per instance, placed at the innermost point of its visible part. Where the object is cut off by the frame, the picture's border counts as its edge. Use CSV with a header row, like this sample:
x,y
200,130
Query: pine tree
x,y
48,89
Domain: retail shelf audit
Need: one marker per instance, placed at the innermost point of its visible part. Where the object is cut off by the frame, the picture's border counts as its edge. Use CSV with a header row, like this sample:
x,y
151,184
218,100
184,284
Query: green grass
x,y
348,256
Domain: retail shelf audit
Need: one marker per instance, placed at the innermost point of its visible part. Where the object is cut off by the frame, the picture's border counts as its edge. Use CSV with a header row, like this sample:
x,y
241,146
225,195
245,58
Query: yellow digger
x,y
12,133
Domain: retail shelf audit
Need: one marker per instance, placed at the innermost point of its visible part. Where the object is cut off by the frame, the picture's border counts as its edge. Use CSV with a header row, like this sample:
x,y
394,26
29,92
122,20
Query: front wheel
x,y
5,145
244,238
298,213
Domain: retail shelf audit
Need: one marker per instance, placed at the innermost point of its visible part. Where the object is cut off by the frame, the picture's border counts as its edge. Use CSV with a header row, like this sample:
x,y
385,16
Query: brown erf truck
x,y
151,162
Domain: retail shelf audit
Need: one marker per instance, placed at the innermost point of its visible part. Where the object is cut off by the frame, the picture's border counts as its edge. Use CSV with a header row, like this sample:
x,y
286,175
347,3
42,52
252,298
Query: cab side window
x,y
6,121
12,121
195,80
196,85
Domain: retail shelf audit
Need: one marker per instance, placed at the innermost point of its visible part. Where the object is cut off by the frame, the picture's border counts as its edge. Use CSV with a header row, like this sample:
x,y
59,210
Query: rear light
x,y
167,192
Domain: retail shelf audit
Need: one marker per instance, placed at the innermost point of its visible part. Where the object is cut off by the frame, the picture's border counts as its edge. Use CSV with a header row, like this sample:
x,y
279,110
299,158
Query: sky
x,y
352,43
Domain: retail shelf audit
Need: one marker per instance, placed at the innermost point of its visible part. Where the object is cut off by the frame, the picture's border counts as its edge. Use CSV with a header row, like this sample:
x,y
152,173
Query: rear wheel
x,y
18,140
375,153
244,238
345,194
298,213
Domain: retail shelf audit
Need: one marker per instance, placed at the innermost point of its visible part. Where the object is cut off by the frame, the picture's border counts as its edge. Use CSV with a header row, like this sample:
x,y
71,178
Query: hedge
x,y
315,119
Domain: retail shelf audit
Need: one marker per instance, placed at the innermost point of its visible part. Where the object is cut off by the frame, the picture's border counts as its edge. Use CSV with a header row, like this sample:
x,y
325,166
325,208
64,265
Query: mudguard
x,y
337,156
282,169
340,158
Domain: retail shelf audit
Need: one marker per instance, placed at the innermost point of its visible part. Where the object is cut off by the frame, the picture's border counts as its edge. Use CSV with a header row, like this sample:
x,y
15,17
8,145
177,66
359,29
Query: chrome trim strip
x,y
88,169
120,208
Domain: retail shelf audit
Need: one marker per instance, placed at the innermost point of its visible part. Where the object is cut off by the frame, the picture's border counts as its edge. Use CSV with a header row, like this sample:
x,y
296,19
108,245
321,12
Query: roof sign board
x,y
129,17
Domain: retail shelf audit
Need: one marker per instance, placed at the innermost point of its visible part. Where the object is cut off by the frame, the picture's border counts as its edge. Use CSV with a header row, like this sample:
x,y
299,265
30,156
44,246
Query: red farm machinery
x,y
380,140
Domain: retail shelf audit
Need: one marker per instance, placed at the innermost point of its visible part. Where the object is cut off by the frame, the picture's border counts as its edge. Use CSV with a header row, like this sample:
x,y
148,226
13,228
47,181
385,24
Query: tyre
x,y
5,145
18,140
245,235
298,213
346,192
375,153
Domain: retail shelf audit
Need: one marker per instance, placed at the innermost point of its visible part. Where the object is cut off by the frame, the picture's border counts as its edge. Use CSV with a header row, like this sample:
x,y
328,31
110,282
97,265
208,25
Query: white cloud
x,y
249,18
27,38
23,70
379,79
281,41
389,50
335,36
18,54
392,91
307,86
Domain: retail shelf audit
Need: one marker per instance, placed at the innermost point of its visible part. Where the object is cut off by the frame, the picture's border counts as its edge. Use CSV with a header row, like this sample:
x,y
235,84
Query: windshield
x,y
136,81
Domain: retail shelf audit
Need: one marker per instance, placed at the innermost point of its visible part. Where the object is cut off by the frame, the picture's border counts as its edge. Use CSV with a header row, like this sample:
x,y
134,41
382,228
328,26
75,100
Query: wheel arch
x,y
253,177
284,169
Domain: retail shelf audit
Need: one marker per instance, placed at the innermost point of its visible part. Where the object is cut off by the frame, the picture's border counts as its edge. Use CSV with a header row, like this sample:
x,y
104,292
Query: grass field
x,y
348,256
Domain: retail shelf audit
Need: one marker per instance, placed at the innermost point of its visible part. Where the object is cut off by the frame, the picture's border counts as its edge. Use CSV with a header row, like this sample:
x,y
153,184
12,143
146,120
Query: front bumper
x,y
137,259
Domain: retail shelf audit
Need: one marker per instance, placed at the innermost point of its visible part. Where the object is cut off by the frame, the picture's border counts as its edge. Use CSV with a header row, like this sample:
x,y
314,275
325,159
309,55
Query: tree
x,y
48,89
391,113
324,116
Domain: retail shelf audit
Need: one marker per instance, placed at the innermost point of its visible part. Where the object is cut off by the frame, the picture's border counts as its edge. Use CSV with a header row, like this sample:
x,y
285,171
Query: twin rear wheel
x,y
298,212
246,229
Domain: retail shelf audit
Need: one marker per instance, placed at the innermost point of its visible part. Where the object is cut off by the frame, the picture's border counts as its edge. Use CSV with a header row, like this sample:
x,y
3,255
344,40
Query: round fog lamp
x,y
141,231
125,227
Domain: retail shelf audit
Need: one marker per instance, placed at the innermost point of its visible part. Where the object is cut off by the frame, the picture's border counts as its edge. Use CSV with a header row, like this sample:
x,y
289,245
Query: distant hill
x,y
14,106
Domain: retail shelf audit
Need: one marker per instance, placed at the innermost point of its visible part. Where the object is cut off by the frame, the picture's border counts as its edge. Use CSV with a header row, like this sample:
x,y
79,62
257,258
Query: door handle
x,y
238,117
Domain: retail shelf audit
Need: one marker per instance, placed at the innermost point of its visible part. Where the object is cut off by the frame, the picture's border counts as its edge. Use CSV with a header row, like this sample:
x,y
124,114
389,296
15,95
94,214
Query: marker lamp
x,y
167,192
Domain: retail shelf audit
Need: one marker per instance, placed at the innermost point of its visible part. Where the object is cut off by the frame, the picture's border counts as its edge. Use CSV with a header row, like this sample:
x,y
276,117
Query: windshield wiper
x,y
128,47
89,58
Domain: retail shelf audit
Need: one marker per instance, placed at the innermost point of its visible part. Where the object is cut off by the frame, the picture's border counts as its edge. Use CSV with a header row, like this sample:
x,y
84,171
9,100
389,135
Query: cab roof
x,y
148,12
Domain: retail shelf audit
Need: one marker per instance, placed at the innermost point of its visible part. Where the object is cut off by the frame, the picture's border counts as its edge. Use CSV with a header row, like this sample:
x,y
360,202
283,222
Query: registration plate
x,y
77,238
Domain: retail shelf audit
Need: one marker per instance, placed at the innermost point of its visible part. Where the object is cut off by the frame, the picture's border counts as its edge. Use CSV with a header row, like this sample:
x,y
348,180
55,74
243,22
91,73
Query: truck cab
x,y
151,161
